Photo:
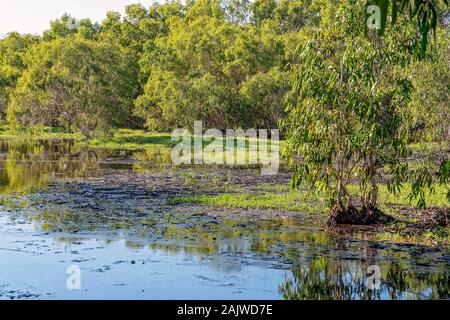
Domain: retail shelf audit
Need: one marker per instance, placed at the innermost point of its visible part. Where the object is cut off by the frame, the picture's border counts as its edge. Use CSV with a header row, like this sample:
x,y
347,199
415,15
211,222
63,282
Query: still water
x,y
105,212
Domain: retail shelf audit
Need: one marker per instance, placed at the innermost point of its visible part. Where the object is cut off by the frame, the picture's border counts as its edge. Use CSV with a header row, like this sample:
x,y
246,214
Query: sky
x,y
34,16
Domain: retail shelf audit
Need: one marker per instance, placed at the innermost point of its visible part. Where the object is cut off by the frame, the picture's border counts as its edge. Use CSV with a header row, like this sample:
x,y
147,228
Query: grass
x,y
426,147
123,139
435,199
44,133
305,202
308,202
134,140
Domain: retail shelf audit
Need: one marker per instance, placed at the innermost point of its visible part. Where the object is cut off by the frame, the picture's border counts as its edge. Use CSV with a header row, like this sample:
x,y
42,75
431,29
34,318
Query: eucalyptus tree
x,y
431,99
347,115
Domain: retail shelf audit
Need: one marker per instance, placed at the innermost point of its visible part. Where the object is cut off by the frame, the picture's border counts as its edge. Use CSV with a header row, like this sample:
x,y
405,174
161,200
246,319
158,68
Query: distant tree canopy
x,y
226,62
12,50
74,83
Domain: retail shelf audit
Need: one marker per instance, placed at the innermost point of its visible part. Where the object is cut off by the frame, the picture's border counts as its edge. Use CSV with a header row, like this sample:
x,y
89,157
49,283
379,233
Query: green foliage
x,y
74,83
430,100
262,94
305,201
348,110
12,50
225,63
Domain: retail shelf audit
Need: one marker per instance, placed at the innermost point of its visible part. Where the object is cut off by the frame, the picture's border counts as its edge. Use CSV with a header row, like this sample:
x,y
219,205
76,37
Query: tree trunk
x,y
373,193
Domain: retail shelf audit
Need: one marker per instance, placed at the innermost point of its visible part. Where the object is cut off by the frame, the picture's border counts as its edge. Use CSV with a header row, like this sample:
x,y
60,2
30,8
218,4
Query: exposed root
x,y
353,216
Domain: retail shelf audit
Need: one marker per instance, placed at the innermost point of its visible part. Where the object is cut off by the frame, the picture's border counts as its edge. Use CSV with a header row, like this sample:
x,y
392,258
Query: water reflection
x,y
28,164
325,279
321,267
126,207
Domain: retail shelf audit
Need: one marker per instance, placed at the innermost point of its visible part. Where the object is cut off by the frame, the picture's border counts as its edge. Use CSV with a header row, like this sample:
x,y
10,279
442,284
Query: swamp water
x,y
105,212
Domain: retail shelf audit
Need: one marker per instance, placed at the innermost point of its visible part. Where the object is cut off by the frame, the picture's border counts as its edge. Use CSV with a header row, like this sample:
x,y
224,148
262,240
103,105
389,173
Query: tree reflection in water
x,y
326,279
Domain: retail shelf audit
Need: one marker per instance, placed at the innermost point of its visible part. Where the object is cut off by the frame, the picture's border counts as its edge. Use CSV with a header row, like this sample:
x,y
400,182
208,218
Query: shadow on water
x,y
127,206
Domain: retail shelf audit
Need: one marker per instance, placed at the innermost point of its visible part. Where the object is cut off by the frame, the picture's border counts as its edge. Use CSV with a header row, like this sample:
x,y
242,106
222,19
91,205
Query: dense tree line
x,y
226,62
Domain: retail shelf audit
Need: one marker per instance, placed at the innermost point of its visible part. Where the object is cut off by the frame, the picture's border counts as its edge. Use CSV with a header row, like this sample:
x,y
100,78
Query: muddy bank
x,y
221,259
